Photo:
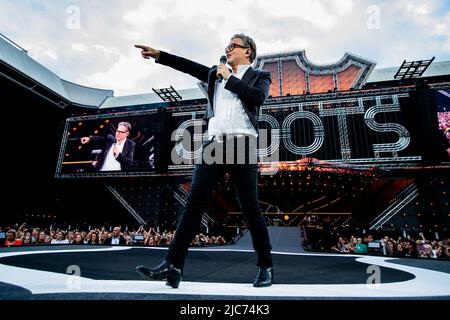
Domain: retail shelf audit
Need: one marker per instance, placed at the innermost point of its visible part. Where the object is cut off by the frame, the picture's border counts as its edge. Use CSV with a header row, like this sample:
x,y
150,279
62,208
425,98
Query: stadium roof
x,y
149,98
387,74
16,58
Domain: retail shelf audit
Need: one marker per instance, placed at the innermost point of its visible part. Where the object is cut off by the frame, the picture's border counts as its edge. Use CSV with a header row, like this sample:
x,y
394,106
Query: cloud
x,y
79,47
99,52
322,15
43,51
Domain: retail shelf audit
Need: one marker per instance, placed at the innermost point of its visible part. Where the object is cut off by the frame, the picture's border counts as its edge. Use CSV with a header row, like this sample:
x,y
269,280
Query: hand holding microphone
x,y
115,148
222,70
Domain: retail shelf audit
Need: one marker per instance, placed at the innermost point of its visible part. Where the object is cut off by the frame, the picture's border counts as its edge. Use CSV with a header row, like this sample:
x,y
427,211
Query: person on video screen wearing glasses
x,y
234,99
118,151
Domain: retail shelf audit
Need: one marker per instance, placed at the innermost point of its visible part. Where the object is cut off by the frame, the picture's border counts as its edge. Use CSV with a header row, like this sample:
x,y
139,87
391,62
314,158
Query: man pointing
x,y
232,117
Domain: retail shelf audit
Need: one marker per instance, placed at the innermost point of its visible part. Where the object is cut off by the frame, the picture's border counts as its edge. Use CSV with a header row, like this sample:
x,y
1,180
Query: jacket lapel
x,y
211,87
126,147
248,75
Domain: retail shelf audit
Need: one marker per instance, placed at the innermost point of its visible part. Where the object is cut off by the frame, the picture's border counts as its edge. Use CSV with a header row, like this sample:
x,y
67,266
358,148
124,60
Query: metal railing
x,y
126,205
13,43
180,195
401,201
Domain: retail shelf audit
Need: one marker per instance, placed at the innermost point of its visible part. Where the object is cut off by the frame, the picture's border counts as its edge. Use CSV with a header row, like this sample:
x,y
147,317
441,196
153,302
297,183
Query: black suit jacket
x,y
125,157
122,240
252,89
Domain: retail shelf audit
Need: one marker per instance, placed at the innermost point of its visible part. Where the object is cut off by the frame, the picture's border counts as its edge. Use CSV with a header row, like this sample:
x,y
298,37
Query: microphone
x,y
115,143
223,60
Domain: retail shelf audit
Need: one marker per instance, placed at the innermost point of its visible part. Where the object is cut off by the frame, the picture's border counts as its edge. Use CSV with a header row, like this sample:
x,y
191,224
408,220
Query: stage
x,y
215,273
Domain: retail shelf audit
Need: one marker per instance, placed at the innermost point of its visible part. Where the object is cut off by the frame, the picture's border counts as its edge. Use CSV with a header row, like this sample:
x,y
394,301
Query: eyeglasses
x,y
118,131
234,45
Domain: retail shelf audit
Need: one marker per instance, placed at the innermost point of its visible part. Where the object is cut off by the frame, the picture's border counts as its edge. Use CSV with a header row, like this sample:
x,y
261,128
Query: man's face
x,y
10,236
121,133
116,232
236,52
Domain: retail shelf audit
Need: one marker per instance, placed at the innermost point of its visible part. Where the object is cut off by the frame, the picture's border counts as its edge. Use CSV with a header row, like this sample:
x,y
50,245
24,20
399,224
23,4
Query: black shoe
x,y
164,271
264,277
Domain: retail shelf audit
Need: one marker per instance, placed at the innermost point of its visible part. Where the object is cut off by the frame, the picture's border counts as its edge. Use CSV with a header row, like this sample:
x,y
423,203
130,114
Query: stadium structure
x,y
345,141
345,149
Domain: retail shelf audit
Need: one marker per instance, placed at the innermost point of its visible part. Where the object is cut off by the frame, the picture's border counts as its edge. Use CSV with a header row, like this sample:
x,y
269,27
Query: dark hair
x,y
248,42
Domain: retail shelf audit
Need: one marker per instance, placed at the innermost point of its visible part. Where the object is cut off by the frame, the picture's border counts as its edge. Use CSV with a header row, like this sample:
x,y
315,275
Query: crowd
x,y
444,122
388,246
400,247
115,236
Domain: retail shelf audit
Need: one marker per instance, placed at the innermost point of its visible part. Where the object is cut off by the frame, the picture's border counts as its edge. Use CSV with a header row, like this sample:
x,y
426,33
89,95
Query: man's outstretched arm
x,y
190,67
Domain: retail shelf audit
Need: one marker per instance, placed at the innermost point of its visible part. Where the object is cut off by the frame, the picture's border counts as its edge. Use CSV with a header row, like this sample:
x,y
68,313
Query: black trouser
x,y
245,181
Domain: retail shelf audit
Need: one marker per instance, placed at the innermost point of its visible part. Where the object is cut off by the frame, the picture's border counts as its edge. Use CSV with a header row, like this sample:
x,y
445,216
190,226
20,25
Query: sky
x,y
91,42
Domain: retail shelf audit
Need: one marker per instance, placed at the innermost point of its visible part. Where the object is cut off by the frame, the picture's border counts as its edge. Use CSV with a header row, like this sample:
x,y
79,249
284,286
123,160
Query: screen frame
x,y
110,174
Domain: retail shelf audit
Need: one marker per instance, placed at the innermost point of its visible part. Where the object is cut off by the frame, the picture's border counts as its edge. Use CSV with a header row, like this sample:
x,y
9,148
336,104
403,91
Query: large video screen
x,y
368,130
110,145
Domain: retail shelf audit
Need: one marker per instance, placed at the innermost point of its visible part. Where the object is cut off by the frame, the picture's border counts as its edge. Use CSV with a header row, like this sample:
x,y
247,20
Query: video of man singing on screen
x,y
110,145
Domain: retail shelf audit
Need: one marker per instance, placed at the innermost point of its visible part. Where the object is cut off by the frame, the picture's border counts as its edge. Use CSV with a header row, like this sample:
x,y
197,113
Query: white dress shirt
x,y
230,117
111,164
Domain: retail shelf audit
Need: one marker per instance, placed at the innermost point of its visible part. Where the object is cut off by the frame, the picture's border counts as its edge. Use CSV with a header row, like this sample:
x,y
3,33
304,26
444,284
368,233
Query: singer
x,y
118,151
234,99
